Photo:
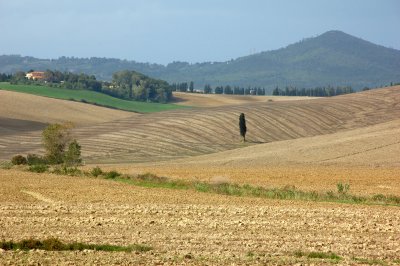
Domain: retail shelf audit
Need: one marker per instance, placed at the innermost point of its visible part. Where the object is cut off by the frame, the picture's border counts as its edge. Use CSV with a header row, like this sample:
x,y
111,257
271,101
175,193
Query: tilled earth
x,y
185,227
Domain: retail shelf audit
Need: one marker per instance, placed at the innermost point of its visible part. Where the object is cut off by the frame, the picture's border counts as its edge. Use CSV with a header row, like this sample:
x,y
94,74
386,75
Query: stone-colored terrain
x,y
28,107
186,133
217,100
204,228
312,144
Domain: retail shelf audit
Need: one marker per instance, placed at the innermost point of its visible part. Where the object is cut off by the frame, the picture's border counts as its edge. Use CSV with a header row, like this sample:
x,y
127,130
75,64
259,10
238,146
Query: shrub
x,y
96,171
28,244
55,139
6,165
34,159
152,177
112,174
18,160
53,244
38,168
342,188
64,170
73,155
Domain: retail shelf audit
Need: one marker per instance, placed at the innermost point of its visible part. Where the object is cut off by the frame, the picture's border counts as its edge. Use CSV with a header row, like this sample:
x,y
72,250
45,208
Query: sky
x,y
163,31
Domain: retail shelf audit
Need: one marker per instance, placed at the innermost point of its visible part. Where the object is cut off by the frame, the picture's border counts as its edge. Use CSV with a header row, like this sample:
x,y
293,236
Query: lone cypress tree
x,y
242,126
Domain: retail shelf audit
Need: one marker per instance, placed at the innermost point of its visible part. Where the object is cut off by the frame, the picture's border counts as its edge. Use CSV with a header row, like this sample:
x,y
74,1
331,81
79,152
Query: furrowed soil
x,y
367,159
185,227
27,107
216,100
186,133
312,144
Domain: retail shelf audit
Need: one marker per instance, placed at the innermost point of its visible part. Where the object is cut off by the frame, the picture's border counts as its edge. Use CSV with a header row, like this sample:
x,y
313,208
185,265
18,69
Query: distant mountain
x,y
333,58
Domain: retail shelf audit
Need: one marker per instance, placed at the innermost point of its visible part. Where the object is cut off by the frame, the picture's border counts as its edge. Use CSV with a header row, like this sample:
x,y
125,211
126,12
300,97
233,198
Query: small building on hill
x,y
35,75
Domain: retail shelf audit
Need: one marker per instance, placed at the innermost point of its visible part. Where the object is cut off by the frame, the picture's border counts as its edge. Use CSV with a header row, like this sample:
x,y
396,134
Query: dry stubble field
x,y
311,144
204,228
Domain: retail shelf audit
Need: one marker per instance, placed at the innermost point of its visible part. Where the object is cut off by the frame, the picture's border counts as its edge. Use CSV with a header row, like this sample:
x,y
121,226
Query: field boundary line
x,y
360,152
39,196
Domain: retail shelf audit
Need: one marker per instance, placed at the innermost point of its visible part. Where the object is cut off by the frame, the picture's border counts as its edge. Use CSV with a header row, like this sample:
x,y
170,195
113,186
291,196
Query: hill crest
x,y
332,58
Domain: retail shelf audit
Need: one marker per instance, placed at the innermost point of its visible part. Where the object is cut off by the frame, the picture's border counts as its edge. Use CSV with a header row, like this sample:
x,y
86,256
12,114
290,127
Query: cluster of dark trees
x,y
60,79
316,92
129,85
183,87
5,77
70,80
132,85
236,90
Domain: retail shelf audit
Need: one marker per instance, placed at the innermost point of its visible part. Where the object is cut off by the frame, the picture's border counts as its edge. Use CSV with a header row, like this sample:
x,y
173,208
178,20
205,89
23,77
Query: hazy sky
x,y
162,31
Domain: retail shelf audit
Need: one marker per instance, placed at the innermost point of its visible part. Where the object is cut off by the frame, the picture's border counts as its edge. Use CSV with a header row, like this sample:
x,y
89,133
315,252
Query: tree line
x,y
5,77
183,87
128,85
316,92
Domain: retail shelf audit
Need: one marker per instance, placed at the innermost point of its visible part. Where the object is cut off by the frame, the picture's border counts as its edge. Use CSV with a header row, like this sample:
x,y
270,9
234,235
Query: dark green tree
x,y
219,90
207,89
228,90
55,138
72,156
191,86
242,126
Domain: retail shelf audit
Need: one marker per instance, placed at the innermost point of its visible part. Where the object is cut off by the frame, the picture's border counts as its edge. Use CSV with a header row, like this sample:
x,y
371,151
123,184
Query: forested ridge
x,y
330,59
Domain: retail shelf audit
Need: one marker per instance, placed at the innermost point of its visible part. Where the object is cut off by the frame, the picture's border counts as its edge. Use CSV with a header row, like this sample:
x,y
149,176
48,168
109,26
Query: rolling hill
x,y
215,100
21,112
333,58
88,96
184,133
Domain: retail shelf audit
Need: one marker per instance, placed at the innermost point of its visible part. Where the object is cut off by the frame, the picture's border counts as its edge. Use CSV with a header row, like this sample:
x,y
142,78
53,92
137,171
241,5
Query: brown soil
x,y
185,227
22,106
216,100
185,133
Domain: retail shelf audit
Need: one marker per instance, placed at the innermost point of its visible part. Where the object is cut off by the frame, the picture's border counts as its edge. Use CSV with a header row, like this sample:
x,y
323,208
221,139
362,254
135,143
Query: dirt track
x,y
213,229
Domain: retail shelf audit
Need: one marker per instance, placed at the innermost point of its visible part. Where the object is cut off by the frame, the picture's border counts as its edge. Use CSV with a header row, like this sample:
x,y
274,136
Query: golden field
x,y
186,227
311,144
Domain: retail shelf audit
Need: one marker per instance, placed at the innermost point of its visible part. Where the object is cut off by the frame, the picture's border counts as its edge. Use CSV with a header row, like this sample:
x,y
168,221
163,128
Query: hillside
x,y
214,100
88,96
15,105
183,133
366,157
21,112
333,58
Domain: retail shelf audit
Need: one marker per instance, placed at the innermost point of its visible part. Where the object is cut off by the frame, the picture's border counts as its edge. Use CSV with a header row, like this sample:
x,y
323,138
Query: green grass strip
x,y
54,244
91,97
286,193
318,255
150,180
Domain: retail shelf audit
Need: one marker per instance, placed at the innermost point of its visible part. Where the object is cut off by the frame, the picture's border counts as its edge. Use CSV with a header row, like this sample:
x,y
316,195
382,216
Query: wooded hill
x,y
333,58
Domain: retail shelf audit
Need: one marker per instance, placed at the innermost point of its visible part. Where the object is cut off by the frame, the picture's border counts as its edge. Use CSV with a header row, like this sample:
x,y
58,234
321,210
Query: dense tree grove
x,y
5,77
60,79
132,85
126,84
317,92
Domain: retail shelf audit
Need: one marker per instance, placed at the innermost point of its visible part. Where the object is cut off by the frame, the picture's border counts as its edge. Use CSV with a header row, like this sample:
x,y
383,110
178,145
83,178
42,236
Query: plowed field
x,y
185,133
186,227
